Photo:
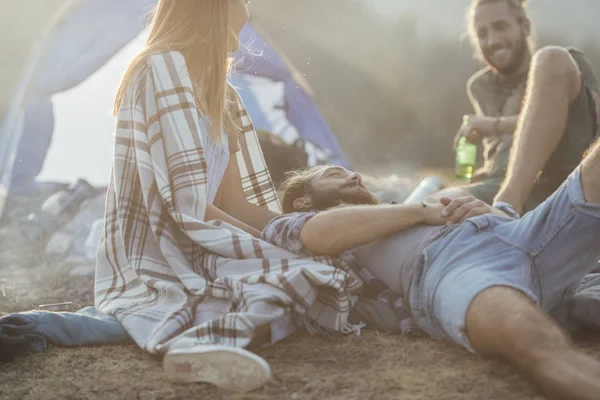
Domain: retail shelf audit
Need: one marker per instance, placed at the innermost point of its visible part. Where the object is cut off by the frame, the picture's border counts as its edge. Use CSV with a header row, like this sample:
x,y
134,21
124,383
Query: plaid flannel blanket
x,y
169,276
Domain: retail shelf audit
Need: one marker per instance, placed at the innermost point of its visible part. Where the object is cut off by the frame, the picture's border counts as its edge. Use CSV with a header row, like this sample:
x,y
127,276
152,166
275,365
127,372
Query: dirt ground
x,y
374,365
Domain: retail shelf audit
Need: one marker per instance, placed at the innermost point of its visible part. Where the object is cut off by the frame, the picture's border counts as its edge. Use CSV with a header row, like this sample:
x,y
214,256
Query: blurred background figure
x,y
388,78
77,40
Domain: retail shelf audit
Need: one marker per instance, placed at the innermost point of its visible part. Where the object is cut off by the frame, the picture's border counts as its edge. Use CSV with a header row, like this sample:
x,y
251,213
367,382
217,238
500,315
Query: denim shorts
x,y
545,254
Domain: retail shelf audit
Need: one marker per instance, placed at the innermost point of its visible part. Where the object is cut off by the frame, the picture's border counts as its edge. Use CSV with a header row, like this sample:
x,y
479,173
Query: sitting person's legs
x,y
481,287
502,322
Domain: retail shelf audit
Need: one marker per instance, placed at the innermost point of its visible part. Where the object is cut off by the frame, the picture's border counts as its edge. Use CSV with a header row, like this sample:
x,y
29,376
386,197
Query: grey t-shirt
x,y
393,259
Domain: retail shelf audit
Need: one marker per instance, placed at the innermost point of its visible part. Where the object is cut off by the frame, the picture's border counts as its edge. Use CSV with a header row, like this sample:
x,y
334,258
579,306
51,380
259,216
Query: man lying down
x,y
459,269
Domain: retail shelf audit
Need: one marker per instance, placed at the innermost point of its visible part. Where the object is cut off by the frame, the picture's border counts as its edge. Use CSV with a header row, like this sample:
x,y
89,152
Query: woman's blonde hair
x,y
198,29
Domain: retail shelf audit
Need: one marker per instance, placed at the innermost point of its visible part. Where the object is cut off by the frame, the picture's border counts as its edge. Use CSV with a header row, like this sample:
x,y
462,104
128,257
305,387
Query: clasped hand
x,y
447,211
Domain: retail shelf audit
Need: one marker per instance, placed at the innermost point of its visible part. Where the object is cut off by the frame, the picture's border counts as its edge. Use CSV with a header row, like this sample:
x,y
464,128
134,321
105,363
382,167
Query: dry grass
x,y
373,366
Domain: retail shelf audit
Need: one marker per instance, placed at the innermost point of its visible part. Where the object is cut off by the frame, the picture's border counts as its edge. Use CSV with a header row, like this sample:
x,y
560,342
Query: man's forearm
x,y
554,83
334,231
494,126
506,125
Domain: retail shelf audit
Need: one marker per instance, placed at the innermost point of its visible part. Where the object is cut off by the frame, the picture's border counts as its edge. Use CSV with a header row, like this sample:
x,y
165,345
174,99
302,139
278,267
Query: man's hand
x,y
433,209
475,128
460,209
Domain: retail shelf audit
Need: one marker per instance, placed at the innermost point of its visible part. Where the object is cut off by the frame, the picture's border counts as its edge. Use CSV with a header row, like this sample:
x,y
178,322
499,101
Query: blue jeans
x,y
544,255
33,331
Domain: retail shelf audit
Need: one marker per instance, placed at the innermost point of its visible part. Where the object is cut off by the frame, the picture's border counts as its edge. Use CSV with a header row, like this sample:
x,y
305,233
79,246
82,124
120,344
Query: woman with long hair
x,y
180,264
204,33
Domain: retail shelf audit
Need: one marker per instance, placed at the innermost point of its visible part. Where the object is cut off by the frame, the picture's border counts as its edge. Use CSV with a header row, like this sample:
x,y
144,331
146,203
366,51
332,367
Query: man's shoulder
x,y
580,58
585,67
577,54
574,51
294,216
285,227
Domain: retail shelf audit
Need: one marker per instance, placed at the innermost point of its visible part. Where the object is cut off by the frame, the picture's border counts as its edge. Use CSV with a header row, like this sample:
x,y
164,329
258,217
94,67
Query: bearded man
x,y
535,113
459,269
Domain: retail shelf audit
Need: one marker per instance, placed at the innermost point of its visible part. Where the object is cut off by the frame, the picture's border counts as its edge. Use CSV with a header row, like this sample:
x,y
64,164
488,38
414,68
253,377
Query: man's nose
x,y
356,177
493,39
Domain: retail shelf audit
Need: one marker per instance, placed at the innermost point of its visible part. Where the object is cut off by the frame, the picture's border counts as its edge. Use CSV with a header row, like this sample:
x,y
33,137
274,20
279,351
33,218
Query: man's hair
x,y
517,7
295,185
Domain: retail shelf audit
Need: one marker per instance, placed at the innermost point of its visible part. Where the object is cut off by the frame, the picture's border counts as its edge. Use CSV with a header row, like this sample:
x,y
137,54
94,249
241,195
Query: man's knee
x,y
504,322
555,61
589,174
553,64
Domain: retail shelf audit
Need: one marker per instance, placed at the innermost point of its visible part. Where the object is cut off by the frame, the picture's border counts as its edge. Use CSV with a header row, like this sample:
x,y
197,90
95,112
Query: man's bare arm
x,y
334,231
478,125
554,83
492,126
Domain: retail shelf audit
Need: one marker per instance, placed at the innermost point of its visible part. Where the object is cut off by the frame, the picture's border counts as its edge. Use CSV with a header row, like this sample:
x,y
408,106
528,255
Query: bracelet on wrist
x,y
497,121
506,209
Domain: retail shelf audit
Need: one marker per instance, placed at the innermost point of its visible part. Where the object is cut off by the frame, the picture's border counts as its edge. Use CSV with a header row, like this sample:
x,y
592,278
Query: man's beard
x,y
519,52
348,195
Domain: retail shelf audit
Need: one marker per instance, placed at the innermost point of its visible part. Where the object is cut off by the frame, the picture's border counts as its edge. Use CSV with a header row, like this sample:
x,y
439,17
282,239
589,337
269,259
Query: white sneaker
x,y
227,367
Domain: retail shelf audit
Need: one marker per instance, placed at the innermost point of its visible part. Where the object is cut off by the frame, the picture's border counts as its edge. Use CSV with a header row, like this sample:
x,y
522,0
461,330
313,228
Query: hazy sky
x,y
575,18
82,145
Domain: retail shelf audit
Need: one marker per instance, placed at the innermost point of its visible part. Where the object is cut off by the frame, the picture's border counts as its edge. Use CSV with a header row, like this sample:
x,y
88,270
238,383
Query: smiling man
x,y
541,105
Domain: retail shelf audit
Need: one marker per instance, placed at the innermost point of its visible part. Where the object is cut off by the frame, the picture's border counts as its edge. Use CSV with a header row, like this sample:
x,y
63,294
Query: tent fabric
x,y
97,30
301,110
79,47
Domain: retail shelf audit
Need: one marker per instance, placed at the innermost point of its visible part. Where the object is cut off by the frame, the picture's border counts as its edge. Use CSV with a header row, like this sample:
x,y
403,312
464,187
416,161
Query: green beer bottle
x,y
466,156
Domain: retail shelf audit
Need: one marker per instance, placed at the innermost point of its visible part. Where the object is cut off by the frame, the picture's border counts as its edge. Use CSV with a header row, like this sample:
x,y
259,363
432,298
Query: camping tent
x,y
93,33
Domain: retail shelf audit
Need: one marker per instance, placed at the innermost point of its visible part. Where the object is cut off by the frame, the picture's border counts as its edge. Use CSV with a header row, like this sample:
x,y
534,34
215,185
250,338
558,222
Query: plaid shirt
x,y
170,277
284,231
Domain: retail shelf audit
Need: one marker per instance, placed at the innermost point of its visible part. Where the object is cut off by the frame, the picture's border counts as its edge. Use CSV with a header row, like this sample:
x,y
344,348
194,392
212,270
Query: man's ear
x,y
303,203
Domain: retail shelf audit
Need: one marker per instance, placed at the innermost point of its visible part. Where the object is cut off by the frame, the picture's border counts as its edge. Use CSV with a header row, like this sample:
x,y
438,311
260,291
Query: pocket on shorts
x,y
487,222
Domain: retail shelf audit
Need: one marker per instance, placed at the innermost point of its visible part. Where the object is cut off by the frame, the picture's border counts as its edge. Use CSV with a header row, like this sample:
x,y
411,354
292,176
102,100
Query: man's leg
x,y
503,322
590,171
554,83
584,304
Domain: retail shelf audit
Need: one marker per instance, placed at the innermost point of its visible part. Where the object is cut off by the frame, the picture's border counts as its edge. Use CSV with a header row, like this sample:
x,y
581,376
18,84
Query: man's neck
x,y
519,76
